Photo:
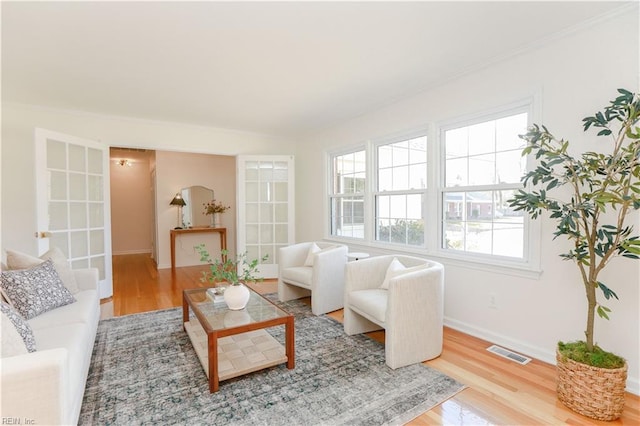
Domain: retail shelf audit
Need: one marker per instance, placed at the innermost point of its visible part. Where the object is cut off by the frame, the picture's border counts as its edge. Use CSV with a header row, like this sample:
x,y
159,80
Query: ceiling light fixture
x,y
124,162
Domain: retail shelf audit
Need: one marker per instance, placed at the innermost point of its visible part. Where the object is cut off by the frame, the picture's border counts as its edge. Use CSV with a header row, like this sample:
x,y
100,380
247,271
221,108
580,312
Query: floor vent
x,y
506,353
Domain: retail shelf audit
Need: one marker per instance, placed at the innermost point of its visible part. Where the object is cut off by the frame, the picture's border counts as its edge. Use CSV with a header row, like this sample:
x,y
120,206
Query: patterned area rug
x,y
145,371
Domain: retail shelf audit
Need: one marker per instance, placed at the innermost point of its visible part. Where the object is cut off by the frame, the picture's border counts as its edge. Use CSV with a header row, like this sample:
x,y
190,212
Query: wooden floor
x,y
498,391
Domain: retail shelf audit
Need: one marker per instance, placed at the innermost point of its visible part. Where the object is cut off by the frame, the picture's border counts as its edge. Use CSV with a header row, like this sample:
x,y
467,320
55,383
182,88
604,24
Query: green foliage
x,y
578,352
231,271
403,231
603,189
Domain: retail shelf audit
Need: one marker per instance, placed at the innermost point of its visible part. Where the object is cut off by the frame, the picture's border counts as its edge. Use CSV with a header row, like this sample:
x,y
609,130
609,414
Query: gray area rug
x,y
145,371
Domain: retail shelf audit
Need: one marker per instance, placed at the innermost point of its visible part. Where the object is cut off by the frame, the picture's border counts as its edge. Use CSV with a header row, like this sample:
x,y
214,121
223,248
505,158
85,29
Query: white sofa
x,y
410,310
323,280
47,386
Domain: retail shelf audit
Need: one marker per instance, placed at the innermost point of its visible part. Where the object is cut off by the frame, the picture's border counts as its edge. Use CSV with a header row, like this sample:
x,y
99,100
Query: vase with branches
x,y
215,208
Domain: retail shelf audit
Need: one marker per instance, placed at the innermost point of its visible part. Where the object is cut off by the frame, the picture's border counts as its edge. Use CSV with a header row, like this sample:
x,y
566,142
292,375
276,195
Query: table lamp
x,y
178,201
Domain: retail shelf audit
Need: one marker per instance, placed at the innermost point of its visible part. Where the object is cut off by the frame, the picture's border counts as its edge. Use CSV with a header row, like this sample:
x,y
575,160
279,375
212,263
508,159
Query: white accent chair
x,y
323,280
410,310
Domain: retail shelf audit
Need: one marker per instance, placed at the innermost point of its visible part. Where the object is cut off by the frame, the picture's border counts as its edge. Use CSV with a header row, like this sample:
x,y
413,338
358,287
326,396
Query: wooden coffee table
x,y
233,343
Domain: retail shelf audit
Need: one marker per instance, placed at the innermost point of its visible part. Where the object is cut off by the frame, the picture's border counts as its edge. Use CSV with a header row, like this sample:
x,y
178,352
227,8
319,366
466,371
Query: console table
x,y
175,232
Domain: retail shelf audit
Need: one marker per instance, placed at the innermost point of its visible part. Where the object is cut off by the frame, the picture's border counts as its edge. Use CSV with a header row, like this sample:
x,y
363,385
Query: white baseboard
x,y
542,354
125,252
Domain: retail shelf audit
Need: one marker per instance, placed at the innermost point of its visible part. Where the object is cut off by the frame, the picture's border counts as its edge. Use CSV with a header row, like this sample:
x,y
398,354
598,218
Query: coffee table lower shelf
x,y
238,354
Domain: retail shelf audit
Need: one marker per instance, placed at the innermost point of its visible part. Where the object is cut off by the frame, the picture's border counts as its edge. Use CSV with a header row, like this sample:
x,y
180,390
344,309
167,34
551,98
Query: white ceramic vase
x,y
215,220
236,296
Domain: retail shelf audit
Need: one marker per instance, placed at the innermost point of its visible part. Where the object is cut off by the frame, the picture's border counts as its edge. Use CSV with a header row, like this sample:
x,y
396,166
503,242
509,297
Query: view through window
x,y
347,194
483,166
451,197
401,191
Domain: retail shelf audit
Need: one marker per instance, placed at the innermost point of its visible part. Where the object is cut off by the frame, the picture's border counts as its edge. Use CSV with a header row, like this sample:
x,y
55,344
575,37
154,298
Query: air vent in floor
x,y
506,353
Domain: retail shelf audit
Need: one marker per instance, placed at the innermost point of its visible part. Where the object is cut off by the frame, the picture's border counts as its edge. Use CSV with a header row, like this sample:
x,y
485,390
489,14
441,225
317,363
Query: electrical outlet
x,y
493,304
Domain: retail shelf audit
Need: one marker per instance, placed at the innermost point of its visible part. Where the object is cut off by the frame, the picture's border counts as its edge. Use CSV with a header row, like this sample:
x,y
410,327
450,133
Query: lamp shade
x,y
177,201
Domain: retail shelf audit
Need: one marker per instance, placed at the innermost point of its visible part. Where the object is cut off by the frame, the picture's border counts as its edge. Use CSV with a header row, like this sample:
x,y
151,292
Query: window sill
x,y
481,263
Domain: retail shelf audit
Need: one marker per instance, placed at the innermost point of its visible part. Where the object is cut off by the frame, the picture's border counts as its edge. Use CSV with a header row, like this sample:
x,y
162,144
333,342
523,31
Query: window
x,y
347,194
401,191
482,169
446,200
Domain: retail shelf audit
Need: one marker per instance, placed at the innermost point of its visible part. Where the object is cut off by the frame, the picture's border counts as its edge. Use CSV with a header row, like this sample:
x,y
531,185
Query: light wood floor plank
x,y
498,392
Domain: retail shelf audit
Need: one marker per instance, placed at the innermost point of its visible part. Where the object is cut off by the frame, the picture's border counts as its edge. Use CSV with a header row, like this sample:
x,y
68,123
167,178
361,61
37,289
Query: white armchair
x,y
319,275
410,310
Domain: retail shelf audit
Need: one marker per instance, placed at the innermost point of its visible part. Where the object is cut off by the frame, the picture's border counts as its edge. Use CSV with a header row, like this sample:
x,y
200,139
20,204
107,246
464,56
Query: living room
x,y
561,75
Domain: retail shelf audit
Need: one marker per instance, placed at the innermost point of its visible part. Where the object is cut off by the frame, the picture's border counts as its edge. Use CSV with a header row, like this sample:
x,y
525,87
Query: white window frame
x,y
528,267
530,260
375,145
330,156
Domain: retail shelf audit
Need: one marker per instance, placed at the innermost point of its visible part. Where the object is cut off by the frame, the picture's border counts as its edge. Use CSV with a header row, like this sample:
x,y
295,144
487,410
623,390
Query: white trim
x,y
543,354
500,111
126,252
140,121
476,263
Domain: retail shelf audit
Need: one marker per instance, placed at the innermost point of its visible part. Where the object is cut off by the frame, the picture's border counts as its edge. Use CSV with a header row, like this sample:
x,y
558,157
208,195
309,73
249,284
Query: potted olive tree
x,y
597,192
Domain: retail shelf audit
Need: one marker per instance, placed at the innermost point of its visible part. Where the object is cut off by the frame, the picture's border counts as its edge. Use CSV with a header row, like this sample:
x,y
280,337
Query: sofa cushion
x,y
394,269
82,310
17,335
298,274
11,341
400,271
18,260
310,258
36,290
373,302
77,340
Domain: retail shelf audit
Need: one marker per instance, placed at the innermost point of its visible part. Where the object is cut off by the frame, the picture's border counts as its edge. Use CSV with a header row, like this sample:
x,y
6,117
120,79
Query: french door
x,y
266,219
72,187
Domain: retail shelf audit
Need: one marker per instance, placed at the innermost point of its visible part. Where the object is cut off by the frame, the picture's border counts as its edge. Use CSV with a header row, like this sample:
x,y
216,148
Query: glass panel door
x,y
266,208
73,212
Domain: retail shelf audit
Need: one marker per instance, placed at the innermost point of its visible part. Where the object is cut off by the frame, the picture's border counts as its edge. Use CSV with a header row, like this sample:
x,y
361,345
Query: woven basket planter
x,y
594,392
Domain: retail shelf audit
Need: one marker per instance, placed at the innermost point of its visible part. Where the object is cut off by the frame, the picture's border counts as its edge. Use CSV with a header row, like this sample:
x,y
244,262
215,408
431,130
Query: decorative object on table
x,y
178,201
602,189
234,272
215,208
216,294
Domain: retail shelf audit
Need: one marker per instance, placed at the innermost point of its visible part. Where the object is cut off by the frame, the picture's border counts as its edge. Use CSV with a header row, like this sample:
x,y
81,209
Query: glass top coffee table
x,y
232,343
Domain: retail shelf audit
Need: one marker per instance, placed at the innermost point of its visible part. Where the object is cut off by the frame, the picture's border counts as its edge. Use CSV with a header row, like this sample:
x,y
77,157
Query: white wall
x,y
179,170
18,202
571,82
132,224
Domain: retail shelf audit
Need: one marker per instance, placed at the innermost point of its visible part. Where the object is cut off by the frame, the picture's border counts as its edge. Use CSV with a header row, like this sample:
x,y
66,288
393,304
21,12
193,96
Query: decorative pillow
x,y
13,323
394,269
312,250
18,260
34,291
12,343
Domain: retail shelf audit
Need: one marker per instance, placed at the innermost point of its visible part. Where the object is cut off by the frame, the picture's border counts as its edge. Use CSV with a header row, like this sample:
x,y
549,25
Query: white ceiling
x,y
278,68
